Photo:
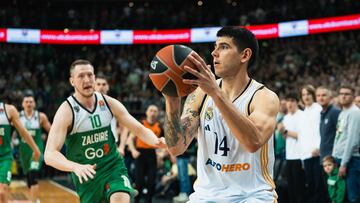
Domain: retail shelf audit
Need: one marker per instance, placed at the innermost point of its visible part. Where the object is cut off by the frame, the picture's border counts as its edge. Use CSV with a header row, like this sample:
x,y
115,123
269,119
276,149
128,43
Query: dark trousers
x,y
317,192
145,174
296,181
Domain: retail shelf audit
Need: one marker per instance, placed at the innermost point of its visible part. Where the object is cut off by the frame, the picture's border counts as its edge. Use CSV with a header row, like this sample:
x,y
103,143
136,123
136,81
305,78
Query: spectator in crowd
x,y
279,138
347,143
328,120
182,162
336,184
145,157
291,129
310,144
357,101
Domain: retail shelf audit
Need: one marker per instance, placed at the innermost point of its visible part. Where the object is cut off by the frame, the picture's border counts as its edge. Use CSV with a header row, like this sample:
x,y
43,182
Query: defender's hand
x,y
36,155
85,172
161,143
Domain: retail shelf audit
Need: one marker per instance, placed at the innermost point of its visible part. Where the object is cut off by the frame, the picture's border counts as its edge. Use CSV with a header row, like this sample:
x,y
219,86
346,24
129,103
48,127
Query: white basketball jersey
x,y
31,124
84,120
3,116
226,171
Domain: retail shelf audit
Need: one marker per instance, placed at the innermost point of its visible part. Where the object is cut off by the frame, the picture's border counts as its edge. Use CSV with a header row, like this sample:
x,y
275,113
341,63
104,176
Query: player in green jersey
x,y
34,121
9,115
83,122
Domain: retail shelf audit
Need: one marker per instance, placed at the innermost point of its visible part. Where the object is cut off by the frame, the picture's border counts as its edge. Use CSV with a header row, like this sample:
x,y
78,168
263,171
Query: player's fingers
x,y
89,174
92,169
198,57
192,71
197,63
80,179
190,82
84,176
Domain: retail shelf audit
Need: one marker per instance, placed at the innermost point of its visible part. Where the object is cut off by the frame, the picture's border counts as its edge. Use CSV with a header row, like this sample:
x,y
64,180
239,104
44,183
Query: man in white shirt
x,y
310,145
291,129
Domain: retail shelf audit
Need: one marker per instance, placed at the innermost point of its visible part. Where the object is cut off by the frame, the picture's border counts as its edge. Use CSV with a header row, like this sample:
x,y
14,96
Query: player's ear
x,y
246,55
71,80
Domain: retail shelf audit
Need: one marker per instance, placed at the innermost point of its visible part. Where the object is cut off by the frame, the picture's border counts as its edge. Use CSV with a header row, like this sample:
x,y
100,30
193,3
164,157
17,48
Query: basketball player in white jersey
x,y
102,86
34,121
9,115
233,118
83,121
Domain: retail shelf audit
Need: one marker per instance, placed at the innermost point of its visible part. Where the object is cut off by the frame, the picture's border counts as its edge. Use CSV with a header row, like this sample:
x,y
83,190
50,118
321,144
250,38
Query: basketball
x,y
167,70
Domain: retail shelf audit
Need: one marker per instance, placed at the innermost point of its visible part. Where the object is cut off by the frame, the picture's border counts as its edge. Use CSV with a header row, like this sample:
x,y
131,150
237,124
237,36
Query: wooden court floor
x,y
50,192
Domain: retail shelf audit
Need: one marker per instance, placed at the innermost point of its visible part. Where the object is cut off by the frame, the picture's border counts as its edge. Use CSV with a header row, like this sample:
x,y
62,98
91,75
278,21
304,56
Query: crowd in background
x,y
161,14
284,65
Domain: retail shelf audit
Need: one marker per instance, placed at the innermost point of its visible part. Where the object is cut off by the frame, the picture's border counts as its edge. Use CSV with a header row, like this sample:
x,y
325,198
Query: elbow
x,y
253,147
47,158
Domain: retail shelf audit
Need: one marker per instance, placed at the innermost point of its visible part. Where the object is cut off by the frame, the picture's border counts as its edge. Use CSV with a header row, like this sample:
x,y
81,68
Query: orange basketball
x,y
167,70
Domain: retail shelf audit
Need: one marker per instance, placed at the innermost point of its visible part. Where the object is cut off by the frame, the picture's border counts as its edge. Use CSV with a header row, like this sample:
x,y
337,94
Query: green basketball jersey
x,y
5,134
32,125
91,140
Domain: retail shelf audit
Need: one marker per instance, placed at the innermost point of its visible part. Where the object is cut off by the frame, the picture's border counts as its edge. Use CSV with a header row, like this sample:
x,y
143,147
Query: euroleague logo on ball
x,y
154,64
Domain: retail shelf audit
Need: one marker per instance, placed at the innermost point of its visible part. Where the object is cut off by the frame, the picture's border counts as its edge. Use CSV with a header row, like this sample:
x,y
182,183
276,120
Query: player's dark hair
x,y
243,38
292,96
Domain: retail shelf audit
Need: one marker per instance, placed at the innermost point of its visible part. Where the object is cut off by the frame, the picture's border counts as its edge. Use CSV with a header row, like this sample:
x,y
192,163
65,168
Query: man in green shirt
x,y
83,122
10,115
34,121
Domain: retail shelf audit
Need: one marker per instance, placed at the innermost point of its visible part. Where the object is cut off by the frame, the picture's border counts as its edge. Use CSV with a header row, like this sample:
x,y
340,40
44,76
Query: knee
x,y
120,197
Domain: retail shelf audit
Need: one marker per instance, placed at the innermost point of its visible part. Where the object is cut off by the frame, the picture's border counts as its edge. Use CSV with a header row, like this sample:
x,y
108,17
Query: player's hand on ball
x,y
84,172
205,79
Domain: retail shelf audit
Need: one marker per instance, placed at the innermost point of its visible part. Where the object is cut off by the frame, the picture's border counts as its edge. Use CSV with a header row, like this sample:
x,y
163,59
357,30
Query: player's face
x,y
83,80
152,113
226,57
101,85
28,103
346,97
306,97
323,97
328,167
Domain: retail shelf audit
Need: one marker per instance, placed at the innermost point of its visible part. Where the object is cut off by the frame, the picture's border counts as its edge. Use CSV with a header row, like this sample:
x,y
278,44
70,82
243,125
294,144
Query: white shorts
x,y
264,196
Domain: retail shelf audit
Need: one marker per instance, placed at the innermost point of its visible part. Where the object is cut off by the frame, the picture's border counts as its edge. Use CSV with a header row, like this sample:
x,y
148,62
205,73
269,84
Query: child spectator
x,y
336,184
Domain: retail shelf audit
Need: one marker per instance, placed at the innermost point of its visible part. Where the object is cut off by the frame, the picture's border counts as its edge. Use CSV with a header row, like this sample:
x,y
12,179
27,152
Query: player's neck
x,y
87,102
29,113
234,85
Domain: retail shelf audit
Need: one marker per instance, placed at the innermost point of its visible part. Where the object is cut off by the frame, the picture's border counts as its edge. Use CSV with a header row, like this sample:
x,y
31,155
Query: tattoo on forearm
x,y
172,127
176,129
190,99
191,112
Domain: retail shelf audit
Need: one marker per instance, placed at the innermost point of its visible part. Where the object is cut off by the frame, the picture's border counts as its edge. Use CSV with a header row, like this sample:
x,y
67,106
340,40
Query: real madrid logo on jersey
x,y
209,114
2,110
102,105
